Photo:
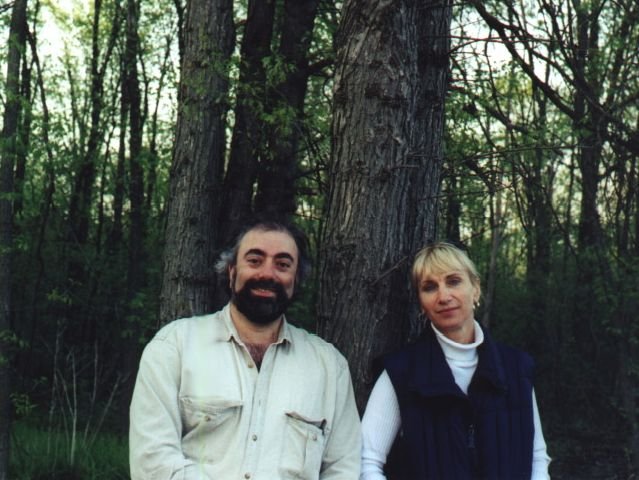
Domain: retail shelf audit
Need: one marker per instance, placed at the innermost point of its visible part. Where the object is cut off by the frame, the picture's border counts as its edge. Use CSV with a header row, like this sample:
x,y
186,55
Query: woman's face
x,y
447,299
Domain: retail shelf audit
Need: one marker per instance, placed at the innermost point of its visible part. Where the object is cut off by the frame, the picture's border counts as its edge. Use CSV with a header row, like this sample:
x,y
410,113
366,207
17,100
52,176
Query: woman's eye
x,y
454,281
428,287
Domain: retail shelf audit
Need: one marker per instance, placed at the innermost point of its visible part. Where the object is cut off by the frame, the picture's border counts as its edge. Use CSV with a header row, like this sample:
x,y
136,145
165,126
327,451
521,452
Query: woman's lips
x,y
447,310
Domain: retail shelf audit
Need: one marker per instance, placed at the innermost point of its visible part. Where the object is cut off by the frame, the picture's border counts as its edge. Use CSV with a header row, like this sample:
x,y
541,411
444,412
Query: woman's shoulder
x,y
513,358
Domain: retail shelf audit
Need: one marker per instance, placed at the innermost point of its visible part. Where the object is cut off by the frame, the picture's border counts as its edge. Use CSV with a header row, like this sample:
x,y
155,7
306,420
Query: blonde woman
x,y
459,404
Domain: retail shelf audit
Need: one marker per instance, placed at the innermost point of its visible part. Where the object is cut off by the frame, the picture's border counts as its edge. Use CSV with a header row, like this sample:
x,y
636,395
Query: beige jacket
x,y
202,410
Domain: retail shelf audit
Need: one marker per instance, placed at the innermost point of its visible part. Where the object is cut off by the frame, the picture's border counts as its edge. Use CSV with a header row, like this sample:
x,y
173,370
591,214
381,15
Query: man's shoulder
x,y
314,341
189,325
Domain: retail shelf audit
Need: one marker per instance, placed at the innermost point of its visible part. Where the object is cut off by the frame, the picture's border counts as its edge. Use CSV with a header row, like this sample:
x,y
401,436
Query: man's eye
x,y
253,261
284,265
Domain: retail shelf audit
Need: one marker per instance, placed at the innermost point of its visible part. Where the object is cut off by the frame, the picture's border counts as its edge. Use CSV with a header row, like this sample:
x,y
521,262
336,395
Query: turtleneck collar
x,y
460,353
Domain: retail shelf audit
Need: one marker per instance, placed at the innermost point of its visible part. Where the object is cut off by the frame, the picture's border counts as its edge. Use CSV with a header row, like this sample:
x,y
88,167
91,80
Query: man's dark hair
x,y
228,257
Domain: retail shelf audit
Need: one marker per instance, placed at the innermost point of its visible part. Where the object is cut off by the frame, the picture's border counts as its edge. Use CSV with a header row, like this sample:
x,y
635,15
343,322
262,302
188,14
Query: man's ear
x,y
231,273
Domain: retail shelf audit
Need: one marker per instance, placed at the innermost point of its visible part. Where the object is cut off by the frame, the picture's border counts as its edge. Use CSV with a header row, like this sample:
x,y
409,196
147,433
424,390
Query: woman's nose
x,y
444,295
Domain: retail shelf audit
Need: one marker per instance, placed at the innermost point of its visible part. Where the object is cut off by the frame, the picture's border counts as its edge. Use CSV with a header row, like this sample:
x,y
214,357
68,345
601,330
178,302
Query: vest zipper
x,y
471,436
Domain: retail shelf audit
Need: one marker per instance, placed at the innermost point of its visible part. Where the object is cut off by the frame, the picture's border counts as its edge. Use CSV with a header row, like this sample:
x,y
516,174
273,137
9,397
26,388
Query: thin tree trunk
x,y
46,202
153,151
137,232
135,280
25,135
9,145
81,196
247,143
82,192
276,190
496,227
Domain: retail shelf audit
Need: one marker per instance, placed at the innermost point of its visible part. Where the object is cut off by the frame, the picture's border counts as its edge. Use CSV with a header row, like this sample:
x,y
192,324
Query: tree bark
x,y
137,232
276,190
198,161
135,277
390,84
247,143
9,149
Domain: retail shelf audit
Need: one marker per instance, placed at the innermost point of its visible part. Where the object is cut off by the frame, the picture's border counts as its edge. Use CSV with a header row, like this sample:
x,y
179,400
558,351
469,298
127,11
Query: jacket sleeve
x,y
341,458
155,430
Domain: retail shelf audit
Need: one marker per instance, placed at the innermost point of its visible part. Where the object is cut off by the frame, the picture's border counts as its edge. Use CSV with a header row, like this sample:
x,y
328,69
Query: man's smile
x,y
263,292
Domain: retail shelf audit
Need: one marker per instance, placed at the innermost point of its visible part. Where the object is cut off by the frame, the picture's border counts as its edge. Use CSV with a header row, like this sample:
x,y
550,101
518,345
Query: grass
x,y
37,454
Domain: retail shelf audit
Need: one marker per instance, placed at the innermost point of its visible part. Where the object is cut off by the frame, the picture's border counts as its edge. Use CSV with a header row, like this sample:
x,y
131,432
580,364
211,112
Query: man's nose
x,y
267,271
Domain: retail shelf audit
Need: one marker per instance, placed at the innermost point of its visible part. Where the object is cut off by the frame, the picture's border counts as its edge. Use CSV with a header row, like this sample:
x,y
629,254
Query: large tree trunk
x,y
198,161
390,85
9,145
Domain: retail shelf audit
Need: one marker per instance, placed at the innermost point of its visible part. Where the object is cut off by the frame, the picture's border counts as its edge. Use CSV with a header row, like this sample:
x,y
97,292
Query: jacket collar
x,y
430,375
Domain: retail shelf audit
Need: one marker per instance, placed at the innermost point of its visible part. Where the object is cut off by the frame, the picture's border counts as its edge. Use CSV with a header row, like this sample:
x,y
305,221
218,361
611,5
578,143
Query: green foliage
x,y
10,343
39,454
22,404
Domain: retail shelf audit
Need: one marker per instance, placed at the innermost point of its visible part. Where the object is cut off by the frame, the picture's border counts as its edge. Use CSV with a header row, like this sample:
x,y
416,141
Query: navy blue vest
x,y
446,434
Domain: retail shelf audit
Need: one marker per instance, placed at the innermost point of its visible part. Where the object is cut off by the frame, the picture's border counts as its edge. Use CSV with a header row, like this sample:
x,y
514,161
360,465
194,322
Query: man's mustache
x,y
271,285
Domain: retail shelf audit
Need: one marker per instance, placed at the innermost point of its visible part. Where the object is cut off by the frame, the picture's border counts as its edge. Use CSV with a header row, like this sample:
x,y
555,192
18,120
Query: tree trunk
x,y
9,146
390,85
135,277
25,135
80,285
136,258
198,161
276,179
452,208
247,143
80,203
496,234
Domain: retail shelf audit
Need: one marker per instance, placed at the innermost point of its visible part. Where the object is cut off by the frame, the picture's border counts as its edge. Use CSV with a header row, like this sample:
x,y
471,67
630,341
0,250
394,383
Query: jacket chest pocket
x,y
303,447
208,426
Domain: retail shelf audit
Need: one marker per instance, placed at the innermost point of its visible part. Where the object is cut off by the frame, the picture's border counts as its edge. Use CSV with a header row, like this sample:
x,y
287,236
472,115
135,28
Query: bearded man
x,y
242,393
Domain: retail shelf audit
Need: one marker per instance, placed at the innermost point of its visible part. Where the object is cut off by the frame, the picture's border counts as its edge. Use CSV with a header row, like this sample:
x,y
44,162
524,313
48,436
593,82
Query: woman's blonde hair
x,y
441,257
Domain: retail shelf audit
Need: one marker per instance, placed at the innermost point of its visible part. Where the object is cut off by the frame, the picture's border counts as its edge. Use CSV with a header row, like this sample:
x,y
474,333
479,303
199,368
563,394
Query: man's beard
x,y
261,310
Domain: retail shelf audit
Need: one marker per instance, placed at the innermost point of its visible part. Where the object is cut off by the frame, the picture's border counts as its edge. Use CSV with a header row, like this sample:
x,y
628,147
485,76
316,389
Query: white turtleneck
x,y
381,420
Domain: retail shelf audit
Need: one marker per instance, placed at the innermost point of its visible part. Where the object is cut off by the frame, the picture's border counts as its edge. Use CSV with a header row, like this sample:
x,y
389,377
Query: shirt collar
x,y
229,332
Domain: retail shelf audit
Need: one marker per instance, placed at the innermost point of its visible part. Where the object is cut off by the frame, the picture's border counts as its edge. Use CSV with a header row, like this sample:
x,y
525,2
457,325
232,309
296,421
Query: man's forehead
x,y
271,242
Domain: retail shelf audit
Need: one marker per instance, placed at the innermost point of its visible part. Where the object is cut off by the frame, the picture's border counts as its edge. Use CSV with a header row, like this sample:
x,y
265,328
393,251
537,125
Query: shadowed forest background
x,y
137,134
